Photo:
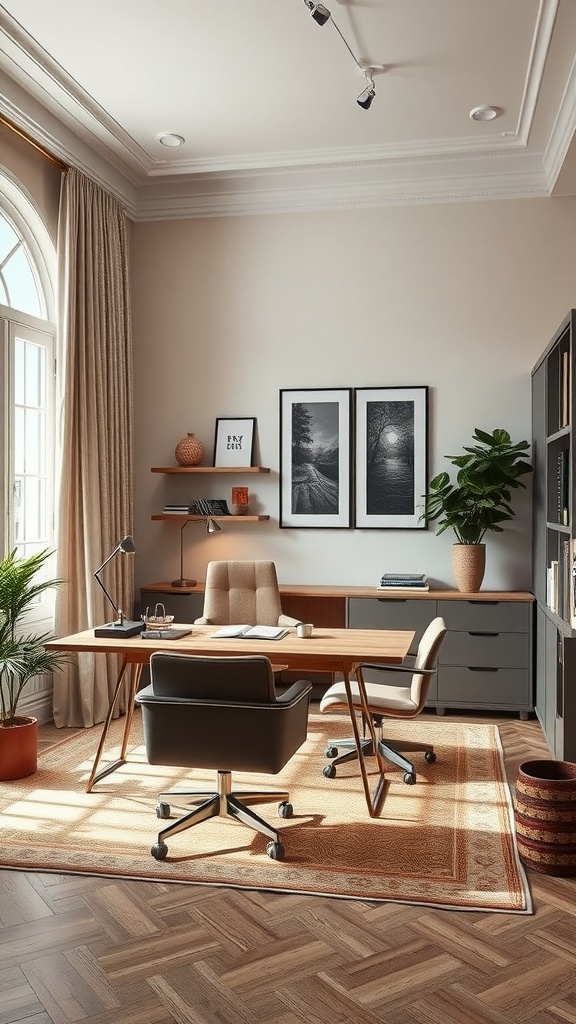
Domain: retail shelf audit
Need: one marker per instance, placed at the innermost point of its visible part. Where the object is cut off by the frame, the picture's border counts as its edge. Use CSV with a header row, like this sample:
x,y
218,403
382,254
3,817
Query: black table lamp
x,y
121,628
211,527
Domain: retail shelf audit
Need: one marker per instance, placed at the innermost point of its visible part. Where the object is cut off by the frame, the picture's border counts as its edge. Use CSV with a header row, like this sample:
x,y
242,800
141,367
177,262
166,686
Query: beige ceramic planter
x,y
468,566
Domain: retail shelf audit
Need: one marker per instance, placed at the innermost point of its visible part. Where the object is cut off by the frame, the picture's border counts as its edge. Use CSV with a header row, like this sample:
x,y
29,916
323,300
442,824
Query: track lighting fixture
x,y
321,15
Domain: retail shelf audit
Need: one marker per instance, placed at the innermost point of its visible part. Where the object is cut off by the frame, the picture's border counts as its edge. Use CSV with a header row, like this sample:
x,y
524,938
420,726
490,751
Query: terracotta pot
x,y
189,451
18,749
545,808
468,566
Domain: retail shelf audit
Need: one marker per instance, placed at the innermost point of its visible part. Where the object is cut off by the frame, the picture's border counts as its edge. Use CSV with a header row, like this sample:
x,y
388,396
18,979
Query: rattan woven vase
x,y
468,566
189,451
545,809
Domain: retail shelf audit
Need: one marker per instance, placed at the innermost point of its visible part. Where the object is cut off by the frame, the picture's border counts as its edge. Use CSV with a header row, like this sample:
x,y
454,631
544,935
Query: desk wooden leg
x,y
95,775
373,800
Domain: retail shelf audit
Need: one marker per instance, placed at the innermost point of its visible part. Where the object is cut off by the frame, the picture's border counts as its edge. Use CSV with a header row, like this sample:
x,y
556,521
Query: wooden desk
x,y
333,650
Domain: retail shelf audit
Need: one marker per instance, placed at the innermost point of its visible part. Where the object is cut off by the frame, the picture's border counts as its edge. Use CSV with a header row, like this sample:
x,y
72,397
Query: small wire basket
x,y
159,620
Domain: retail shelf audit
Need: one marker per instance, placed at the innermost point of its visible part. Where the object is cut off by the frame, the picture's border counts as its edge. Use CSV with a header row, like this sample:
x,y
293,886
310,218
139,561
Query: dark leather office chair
x,y
386,700
222,713
243,592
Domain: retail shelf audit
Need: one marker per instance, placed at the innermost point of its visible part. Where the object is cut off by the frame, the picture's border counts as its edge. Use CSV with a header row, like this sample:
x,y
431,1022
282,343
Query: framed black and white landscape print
x,y
315,453
391,457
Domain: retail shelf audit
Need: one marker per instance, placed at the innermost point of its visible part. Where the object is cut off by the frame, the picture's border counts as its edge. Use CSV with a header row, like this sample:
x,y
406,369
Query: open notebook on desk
x,y
251,632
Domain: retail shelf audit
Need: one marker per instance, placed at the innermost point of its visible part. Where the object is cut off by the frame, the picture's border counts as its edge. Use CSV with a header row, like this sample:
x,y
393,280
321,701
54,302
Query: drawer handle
x,y
483,602
477,633
391,600
479,668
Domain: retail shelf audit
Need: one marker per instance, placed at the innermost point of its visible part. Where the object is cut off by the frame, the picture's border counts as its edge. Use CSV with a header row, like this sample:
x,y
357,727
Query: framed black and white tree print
x,y
315,454
391,457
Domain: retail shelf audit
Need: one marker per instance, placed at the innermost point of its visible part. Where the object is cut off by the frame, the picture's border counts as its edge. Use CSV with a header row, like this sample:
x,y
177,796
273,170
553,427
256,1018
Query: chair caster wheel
x,y
410,778
430,757
329,771
159,851
275,851
162,810
331,751
285,810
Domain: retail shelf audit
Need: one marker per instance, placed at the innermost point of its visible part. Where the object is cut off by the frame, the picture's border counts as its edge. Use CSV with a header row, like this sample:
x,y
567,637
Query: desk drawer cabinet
x,y
486,658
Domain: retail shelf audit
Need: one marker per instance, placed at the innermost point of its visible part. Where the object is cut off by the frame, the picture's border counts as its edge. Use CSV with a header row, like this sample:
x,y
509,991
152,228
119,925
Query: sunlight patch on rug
x,y
446,842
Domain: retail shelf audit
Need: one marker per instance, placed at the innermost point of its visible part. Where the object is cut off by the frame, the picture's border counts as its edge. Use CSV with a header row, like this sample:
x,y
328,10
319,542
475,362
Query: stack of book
x,y
403,581
178,510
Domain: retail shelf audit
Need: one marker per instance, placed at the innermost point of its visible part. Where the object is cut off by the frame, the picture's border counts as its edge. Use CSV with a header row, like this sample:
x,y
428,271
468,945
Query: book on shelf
x,y
210,507
552,586
407,587
563,487
250,632
564,388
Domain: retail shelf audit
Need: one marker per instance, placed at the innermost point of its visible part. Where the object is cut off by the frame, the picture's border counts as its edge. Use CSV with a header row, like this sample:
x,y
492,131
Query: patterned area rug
x,y
446,842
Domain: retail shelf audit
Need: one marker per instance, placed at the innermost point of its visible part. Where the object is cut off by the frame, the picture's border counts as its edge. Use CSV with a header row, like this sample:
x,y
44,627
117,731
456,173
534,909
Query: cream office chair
x,y
386,700
243,592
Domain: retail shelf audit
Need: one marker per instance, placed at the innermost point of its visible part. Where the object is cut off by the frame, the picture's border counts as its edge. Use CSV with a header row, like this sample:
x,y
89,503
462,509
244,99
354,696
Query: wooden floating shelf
x,y
173,517
209,469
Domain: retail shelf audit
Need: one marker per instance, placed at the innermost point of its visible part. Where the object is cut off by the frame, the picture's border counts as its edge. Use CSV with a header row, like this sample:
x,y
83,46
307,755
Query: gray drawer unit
x,y
186,607
390,613
486,658
481,687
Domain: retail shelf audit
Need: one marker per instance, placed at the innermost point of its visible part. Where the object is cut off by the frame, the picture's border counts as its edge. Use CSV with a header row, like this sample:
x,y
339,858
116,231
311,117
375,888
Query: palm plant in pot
x,y
22,658
479,501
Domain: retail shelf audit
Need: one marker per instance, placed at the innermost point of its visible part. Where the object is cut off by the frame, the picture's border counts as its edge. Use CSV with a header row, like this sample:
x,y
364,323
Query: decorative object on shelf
x,y
189,451
23,657
391,450
121,628
211,527
479,501
315,457
545,806
234,441
240,499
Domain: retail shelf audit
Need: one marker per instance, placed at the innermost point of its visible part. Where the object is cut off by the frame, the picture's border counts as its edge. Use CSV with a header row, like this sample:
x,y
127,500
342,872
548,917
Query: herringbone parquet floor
x,y
105,951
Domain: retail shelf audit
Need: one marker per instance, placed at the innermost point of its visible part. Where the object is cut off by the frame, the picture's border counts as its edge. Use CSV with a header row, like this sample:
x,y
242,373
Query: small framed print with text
x,y
391,457
234,441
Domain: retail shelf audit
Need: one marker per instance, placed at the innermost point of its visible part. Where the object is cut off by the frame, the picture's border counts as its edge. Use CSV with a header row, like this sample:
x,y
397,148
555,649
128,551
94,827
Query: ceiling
x,y
265,99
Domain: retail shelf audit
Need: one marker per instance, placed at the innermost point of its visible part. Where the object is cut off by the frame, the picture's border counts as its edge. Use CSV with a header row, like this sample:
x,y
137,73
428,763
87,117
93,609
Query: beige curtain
x,y
95,508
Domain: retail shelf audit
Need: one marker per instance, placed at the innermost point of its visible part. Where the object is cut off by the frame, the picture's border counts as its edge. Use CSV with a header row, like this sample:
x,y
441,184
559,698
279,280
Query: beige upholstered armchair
x,y
243,592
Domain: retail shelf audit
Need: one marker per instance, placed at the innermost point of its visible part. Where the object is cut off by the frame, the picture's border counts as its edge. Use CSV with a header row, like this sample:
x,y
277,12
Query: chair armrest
x,y
287,620
399,668
202,621
294,692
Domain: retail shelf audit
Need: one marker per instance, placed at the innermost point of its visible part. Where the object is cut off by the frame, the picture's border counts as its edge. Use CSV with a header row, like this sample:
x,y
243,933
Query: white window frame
x,y
21,212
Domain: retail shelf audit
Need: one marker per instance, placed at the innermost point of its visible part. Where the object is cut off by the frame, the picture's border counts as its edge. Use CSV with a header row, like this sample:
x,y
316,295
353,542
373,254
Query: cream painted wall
x,y
38,176
460,297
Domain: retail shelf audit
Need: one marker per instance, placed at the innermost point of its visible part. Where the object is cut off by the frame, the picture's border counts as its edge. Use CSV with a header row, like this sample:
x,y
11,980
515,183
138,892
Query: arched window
x,y
27,359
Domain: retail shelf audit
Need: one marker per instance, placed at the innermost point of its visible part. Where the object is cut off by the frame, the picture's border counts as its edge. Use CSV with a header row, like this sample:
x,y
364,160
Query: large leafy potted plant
x,y
22,658
478,501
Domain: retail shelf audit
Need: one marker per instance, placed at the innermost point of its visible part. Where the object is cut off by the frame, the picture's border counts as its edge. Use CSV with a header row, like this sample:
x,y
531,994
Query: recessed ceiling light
x,y
170,140
485,113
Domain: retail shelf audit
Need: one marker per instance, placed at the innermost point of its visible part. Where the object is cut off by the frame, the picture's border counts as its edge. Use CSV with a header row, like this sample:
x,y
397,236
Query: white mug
x,y
304,629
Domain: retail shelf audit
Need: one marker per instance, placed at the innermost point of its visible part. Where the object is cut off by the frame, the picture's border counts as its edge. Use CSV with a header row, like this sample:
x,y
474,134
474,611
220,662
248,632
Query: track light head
x,y
365,98
319,13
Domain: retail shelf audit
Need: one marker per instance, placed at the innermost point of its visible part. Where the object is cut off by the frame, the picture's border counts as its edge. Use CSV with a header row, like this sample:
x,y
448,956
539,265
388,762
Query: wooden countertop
x,y
335,590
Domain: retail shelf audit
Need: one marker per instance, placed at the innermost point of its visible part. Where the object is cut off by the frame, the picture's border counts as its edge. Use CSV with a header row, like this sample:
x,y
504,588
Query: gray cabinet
x,y
486,658
186,607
